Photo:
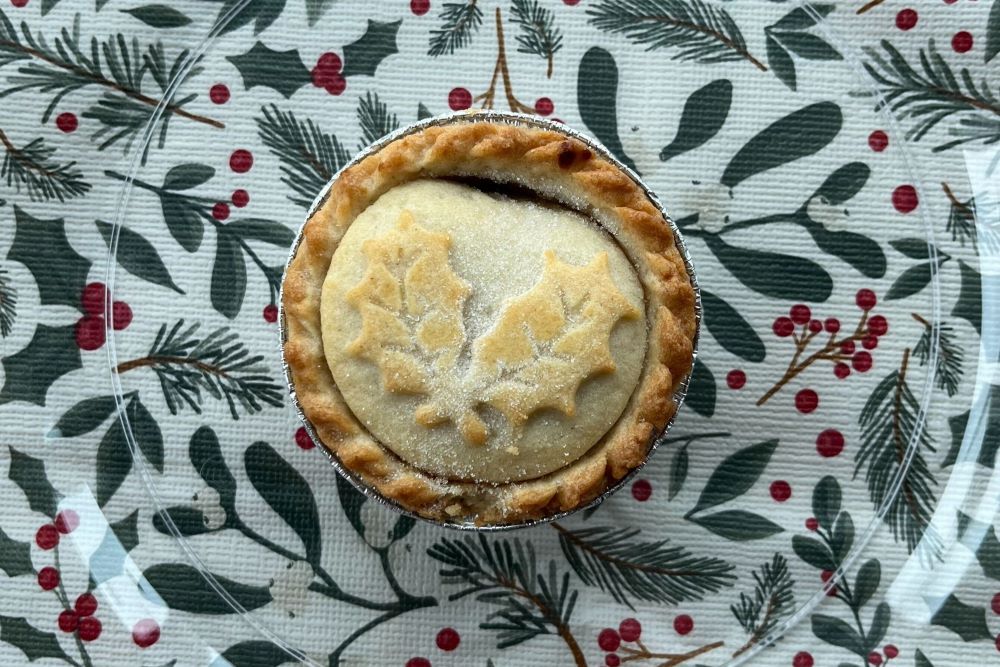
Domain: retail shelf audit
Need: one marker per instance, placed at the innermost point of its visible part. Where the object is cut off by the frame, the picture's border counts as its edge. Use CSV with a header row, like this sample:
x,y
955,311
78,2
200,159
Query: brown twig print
x,y
630,654
502,73
868,6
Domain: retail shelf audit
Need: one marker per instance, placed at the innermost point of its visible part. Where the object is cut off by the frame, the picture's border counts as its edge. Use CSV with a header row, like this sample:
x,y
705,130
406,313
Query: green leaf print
x,y
206,457
29,474
738,525
254,653
282,71
35,644
737,473
701,390
789,278
41,245
597,100
365,54
159,16
729,328
84,417
183,588
229,274
15,556
704,114
51,353
965,620
138,256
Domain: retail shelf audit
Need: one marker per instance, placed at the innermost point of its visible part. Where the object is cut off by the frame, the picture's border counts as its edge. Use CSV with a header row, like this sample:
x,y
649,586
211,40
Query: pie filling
x,y
479,336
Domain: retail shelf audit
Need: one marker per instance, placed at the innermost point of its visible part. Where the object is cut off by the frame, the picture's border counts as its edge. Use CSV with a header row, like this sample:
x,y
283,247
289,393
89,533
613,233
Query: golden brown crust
x,y
557,166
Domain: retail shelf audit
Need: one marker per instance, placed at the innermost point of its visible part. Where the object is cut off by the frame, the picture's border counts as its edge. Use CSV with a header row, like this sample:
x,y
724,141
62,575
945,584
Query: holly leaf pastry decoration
x,y
544,344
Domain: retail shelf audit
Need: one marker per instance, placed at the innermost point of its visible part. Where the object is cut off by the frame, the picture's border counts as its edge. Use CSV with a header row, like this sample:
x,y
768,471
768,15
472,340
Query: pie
x,y
487,322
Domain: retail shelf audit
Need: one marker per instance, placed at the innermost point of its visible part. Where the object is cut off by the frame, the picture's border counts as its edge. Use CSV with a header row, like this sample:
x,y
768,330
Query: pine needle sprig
x,y
33,168
961,218
8,303
773,599
539,34
695,30
504,574
459,22
122,68
309,157
375,119
948,369
932,92
218,364
613,560
888,426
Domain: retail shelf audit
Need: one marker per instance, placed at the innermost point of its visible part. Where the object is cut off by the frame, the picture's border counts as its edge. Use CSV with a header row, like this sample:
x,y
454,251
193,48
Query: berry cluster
x,y
80,619
327,74
90,329
629,631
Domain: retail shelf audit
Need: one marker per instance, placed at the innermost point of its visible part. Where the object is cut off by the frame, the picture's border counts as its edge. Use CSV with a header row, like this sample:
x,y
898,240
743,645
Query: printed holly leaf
x,y
281,70
597,99
15,557
108,560
547,341
261,12
986,438
364,55
966,621
701,390
981,539
406,336
58,269
35,644
29,474
970,297
51,353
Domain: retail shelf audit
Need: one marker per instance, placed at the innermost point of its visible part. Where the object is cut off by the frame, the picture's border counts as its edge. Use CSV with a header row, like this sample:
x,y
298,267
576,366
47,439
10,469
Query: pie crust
x,y
346,316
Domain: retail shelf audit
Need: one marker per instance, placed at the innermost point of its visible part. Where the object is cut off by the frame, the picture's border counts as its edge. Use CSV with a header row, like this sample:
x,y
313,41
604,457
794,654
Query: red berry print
x,y
303,440
806,401
68,621
831,325
271,313
736,379
420,7
459,98
609,640
67,521
418,662
66,122
869,342
240,198
890,650
321,78
781,491
906,19
826,575
47,537
121,315
904,198
544,106
86,604
241,161
997,642
145,633
642,490
19,3
812,524
89,333
865,298
962,42
802,659
995,604
862,362
571,2
48,578
330,61
630,629
841,370
875,658
89,629
800,313
783,327
448,639
337,85
830,443
878,141
219,93
815,326
92,298
220,211
878,325
612,660
683,624
847,347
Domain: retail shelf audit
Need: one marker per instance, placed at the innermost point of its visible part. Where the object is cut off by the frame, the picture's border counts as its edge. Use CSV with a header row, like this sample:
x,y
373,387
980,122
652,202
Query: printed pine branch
x,y
33,168
120,67
773,599
961,218
613,560
538,35
375,119
459,22
931,92
219,364
8,304
309,157
695,30
501,74
504,574
888,427
948,369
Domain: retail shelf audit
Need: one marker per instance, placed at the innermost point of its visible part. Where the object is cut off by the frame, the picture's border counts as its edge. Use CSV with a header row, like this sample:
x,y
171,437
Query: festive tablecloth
x,y
831,166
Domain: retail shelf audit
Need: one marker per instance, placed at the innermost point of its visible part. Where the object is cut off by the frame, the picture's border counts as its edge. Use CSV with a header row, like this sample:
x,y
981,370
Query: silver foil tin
x,y
510,119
